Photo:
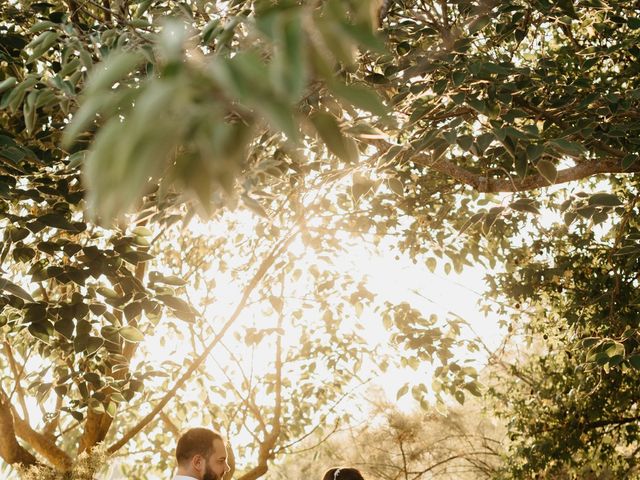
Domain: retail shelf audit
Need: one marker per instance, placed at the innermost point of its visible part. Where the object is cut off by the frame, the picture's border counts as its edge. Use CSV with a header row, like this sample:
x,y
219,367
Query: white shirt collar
x,y
183,477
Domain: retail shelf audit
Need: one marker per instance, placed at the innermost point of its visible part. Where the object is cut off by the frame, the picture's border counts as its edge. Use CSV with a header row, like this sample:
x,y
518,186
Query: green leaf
x,y
181,308
634,361
567,146
57,221
40,26
479,23
7,83
174,280
41,330
402,391
483,141
473,388
361,186
431,264
629,160
41,44
615,349
14,289
534,152
548,170
131,334
360,97
276,303
254,206
525,205
96,406
112,409
396,186
142,231
604,200
471,221
65,327
521,164
451,137
289,66
105,74
93,344
458,77
633,22
569,217
376,78
479,105
465,142
488,222
330,133
108,292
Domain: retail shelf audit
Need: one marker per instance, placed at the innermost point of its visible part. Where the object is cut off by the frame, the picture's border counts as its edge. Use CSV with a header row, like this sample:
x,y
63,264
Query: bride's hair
x,y
343,474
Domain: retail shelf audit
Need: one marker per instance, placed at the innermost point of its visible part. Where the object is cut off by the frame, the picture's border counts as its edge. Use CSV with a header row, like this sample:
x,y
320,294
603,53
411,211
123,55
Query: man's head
x,y
201,453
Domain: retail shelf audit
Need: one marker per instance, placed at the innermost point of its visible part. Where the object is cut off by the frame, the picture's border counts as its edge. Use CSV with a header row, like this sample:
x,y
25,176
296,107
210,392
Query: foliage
x,y
196,88
448,131
575,404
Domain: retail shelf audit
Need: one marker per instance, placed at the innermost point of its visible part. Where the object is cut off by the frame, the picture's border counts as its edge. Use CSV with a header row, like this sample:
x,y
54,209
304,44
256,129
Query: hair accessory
x,y
335,474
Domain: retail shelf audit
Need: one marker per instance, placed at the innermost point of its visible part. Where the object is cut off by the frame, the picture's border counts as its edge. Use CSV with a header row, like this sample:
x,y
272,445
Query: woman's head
x,y
342,474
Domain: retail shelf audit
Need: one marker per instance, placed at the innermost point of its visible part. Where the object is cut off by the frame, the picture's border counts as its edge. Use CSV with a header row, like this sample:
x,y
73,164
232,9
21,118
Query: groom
x,y
202,455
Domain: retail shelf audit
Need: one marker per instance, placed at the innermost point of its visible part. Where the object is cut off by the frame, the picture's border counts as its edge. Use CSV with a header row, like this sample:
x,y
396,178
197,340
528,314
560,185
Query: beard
x,y
209,474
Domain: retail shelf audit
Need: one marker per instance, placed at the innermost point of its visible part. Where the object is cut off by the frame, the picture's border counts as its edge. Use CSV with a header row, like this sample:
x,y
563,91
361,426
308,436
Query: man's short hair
x,y
196,441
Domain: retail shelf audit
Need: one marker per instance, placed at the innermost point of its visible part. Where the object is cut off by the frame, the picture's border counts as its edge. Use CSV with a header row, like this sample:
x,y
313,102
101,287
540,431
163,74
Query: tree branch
x,y
484,184
42,445
170,425
617,422
13,425
10,450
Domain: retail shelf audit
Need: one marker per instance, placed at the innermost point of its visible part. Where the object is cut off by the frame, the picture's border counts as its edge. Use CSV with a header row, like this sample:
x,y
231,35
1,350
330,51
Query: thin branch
x,y
170,425
322,418
405,470
52,425
266,450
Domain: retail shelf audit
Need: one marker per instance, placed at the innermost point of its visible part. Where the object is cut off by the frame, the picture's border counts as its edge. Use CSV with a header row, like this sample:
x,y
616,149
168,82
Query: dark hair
x,y
343,474
196,441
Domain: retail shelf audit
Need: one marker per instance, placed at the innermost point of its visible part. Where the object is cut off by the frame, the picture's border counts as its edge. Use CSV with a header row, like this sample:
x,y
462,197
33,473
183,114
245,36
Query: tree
x,y
574,406
485,105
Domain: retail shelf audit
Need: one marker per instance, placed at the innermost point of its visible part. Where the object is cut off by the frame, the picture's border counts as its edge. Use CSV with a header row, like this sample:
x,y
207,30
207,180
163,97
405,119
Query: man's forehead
x,y
219,448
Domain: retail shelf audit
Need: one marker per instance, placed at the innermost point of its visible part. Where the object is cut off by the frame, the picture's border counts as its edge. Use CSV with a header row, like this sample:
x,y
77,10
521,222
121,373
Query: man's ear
x,y
196,462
